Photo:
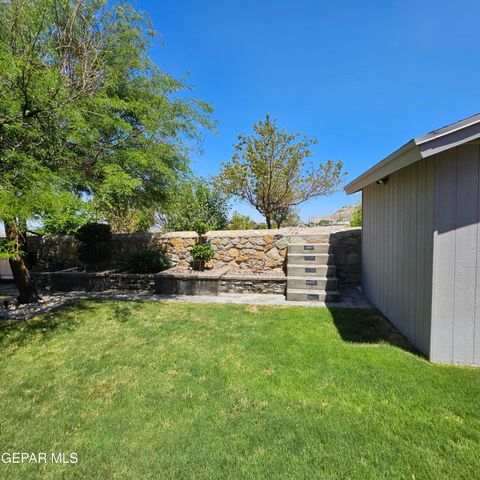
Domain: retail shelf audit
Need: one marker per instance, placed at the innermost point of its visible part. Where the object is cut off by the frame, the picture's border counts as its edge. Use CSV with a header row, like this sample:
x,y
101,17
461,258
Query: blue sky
x,y
361,77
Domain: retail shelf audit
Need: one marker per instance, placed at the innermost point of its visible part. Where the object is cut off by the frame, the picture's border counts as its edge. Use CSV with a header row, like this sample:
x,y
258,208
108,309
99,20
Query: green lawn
x,y
144,390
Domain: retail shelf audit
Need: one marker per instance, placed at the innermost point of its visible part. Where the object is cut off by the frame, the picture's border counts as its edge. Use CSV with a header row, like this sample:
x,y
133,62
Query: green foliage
x,y
269,171
7,249
148,261
240,222
356,220
85,111
95,243
94,233
194,205
201,228
66,215
202,253
286,217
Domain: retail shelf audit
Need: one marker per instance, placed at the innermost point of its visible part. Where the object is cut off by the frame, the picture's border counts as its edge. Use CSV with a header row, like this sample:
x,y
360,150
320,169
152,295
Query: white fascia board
x,y
402,157
425,146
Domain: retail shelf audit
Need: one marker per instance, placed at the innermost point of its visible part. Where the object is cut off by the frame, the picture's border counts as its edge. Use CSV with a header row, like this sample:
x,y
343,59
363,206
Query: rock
x,y
270,263
281,243
353,258
273,253
340,258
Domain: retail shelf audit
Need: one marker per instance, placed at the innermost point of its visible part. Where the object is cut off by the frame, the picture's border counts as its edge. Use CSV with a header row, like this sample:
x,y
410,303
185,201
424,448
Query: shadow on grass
x,y
368,326
65,318
16,333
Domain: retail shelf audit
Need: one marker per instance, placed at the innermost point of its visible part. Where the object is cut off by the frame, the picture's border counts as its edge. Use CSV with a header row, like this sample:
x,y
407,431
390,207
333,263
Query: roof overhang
x,y
425,146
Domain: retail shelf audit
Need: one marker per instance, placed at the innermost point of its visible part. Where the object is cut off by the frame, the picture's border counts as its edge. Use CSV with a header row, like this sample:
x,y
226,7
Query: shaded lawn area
x,y
144,390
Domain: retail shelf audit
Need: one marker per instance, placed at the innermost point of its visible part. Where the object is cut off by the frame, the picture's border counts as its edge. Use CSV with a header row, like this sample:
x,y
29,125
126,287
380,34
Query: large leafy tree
x,y
195,205
85,112
269,170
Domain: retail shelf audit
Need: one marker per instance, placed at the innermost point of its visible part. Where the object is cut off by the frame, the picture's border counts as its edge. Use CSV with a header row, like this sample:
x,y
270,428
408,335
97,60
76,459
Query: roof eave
x,y
402,157
435,142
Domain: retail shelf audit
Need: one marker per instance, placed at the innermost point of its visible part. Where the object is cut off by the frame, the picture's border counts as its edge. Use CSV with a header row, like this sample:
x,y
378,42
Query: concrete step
x,y
302,295
308,248
303,270
312,283
310,259
312,238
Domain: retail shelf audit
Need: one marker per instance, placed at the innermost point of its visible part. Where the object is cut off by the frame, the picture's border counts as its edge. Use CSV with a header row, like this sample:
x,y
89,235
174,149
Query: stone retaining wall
x,y
102,281
247,250
253,284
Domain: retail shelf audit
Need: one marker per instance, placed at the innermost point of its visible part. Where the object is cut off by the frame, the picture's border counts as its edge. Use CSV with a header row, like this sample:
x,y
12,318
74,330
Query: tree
x,y
82,106
240,222
286,217
356,220
195,203
66,214
269,171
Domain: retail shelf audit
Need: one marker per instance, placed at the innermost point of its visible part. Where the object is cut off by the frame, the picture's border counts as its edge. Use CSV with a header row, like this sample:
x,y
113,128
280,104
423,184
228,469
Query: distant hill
x,y
341,216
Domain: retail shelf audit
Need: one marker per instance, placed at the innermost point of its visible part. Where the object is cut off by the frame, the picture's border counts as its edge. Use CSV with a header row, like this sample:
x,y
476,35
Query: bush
x,y
94,233
241,222
356,220
201,254
95,243
195,201
148,261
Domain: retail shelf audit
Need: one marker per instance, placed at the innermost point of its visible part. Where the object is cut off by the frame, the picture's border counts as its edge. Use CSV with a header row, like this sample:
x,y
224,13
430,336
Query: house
x,y
5,272
421,240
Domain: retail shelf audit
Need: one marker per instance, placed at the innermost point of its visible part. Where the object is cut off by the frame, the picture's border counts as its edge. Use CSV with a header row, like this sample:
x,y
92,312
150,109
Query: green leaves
x,y
201,253
85,113
269,171
195,205
356,220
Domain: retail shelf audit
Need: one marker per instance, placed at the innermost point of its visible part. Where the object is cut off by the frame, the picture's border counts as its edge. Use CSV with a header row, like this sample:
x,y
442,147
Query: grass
x,y
144,390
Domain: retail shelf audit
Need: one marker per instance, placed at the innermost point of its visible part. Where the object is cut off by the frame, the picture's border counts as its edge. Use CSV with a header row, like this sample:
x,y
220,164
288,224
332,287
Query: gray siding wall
x,y
456,266
397,249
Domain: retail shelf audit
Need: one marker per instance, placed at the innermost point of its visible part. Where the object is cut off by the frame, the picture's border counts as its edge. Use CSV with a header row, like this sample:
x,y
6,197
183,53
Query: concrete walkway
x,y
350,298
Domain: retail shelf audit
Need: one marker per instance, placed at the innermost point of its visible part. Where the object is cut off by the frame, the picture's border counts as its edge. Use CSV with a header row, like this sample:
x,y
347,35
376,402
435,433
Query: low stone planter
x,y
237,282
68,281
185,282
132,281
173,281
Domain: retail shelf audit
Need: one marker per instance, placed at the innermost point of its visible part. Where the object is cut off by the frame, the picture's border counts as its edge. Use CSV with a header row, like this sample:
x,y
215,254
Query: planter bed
x,y
239,281
71,280
220,280
132,281
182,281
178,281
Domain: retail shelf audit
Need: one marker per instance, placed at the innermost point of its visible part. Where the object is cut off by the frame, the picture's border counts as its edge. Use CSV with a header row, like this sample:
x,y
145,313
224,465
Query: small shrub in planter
x,y
148,261
202,253
95,244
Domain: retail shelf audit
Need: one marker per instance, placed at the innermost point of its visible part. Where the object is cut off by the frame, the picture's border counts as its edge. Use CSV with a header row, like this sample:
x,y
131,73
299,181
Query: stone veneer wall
x,y
248,250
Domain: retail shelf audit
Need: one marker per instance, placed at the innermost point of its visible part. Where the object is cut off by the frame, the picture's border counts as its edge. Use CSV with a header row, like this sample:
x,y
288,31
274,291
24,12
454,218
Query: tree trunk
x,y
269,221
25,284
